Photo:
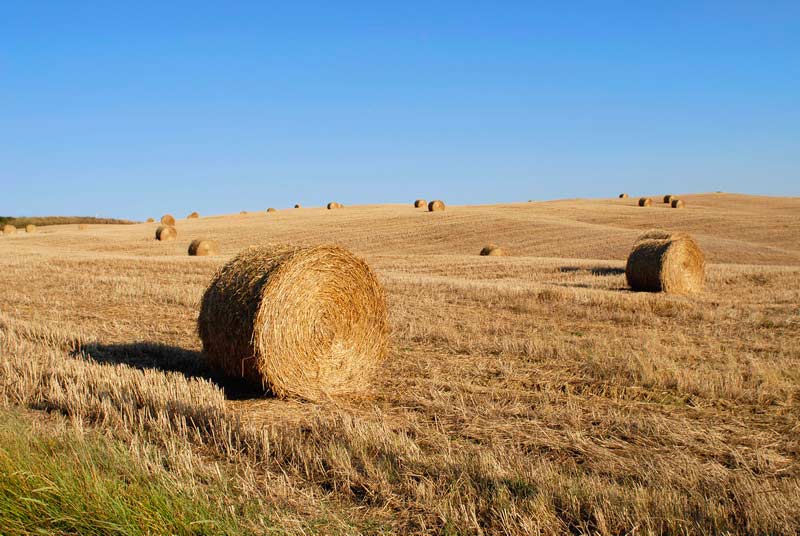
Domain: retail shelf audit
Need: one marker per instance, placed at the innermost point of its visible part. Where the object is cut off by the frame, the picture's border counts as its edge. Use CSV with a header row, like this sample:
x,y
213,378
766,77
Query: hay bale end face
x,y
623,196
666,262
333,204
302,322
645,202
677,203
668,198
203,248
166,232
493,250
168,219
436,206
420,203
9,229
30,228
192,216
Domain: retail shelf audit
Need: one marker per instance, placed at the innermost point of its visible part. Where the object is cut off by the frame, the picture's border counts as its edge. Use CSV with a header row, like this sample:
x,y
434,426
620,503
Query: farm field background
x,y
526,394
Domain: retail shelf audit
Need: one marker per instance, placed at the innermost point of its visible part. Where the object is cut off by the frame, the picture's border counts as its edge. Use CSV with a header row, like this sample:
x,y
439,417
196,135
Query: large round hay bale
x,y
270,209
150,220
645,202
623,196
9,229
306,322
677,203
203,248
30,228
668,198
166,232
193,216
666,262
297,205
493,250
168,219
435,206
420,203
333,204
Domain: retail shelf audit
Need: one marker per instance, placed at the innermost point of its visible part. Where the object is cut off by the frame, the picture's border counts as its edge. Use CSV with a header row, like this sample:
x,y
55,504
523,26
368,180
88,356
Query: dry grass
x,y
531,394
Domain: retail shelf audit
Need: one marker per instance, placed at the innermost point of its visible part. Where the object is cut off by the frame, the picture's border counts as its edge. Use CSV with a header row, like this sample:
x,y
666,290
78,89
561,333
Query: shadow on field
x,y
154,356
596,270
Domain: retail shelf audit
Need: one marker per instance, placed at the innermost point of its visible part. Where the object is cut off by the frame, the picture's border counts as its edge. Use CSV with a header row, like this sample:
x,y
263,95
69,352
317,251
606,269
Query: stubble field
x,y
530,394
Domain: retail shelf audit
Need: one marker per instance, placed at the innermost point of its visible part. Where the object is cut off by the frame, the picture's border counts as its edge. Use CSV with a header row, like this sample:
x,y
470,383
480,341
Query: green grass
x,y
59,480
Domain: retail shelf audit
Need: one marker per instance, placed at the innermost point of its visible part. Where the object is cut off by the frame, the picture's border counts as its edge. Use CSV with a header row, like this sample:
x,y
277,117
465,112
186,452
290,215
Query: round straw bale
x,y
645,202
168,219
420,203
297,205
30,228
677,203
150,220
203,248
493,251
306,322
9,229
166,232
668,198
270,209
623,196
334,204
82,226
435,206
666,262
192,216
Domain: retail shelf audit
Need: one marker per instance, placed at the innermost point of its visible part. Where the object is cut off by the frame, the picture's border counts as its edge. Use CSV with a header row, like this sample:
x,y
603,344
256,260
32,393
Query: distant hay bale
x,y
166,232
305,322
677,203
167,219
668,198
203,248
493,250
333,204
420,203
243,212
666,262
82,226
435,206
150,220
645,202
192,216
297,205
9,229
270,209
30,228
623,196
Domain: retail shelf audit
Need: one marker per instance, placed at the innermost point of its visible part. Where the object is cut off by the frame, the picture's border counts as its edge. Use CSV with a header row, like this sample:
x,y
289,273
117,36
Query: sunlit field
x,y
528,394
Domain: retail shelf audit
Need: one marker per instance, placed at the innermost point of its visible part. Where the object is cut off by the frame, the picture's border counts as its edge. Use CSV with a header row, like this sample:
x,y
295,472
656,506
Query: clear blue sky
x,y
135,110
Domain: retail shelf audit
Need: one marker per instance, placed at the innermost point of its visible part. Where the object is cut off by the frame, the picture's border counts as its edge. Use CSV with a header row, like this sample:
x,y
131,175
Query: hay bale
x,y
203,248
83,226
166,232
243,212
193,216
297,205
493,251
30,228
677,203
420,203
150,220
668,198
168,219
436,206
9,229
306,322
645,202
333,204
270,209
666,262
623,196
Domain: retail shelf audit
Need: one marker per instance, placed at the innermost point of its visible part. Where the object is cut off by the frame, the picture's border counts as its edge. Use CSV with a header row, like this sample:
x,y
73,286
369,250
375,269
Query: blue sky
x,y
135,110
